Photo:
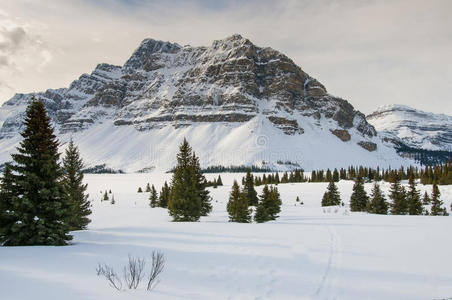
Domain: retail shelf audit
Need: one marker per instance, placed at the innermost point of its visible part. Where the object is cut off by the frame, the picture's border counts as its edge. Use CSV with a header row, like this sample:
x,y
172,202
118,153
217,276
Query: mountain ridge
x,y
230,90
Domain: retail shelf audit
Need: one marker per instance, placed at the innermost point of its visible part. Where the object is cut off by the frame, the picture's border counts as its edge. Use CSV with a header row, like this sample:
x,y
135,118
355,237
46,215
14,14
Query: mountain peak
x,y
148,47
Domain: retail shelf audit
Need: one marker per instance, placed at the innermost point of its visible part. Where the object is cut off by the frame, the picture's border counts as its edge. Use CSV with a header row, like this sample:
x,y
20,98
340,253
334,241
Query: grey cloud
x,y
13,39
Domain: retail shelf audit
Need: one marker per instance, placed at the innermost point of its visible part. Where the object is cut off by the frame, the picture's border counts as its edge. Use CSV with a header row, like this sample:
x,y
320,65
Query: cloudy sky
x,y
371,52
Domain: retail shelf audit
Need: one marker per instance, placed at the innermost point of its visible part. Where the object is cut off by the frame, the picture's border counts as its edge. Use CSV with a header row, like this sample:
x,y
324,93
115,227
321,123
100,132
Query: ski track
x,y
328,284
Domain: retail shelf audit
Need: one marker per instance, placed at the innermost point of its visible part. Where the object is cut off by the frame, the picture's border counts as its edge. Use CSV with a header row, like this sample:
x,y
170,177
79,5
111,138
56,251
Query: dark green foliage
x,y
331,197
269,205
189,199
437,205
219,181
148,188
248,189
164,196
426,199
399,205
377,203
8,201
75,189
153,198
105,198
298,199
237,206
414,199
139,190
359,199
41,208
112,199
295,176
200,185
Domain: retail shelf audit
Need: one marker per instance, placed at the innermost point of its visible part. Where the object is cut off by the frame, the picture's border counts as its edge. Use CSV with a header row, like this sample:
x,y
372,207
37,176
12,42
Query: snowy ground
x,y
308,253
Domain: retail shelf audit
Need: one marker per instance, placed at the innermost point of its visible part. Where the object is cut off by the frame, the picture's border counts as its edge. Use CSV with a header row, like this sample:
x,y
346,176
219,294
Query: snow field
x,y
310,252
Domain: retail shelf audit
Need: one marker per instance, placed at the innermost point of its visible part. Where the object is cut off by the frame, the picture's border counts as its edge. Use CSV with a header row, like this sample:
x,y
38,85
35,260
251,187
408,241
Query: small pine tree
x,y
248,189
41,206
332,196
397,194
109,191
261,214
298,199
414,198
153,198
214,184
437,205
164,195
219,181
269,205
426,199
112,199
237,206
105,198
139,190
377,203
148,188
359,199
75,189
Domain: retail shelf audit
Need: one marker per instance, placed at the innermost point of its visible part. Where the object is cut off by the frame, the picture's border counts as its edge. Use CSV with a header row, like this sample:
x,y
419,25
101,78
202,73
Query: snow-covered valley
x,y
308,253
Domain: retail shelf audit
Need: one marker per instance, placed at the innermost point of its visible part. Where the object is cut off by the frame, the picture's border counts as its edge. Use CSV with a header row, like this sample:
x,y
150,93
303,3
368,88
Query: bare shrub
x,y
133,272
110,275
157,265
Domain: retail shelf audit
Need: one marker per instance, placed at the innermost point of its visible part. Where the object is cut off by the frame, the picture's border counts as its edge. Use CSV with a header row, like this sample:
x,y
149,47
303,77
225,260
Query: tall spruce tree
x,y
185,202
237,206
153,198
261,214
75,188
248,189
359,199
426,199
414,198
273,204
164,196
219,181
42,208
437,205
377,203
399,205
332,196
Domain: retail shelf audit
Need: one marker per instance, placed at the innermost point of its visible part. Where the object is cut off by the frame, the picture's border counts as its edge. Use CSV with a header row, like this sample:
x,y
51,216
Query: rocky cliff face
x,y
164,85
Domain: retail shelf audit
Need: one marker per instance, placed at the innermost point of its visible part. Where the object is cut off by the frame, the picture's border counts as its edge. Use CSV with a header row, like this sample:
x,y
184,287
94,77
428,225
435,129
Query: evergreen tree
x,y
185,202
377,203
248,189
437,209
112,199
397,194
426,199
261,214
201,185
139,190
214,184
237,206
298,199
331,197
414,198
8,212
269,205
359,199
219,181
75,189
105,196
153,198
164,195
148,188
41,206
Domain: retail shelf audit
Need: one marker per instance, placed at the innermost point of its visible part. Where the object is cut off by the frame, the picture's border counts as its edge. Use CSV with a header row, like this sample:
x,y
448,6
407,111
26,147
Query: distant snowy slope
x,y
415,128
237,103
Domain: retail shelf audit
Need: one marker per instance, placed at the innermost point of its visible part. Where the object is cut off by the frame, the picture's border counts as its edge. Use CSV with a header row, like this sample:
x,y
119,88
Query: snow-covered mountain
x,y
415,128
235,102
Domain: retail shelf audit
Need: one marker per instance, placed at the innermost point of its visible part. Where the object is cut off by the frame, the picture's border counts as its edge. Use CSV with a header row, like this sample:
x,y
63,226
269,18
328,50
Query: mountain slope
x,y
237,103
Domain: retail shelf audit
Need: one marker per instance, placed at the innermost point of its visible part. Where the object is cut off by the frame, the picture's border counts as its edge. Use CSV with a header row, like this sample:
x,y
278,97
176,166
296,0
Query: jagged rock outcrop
x,y
369,146
342,134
